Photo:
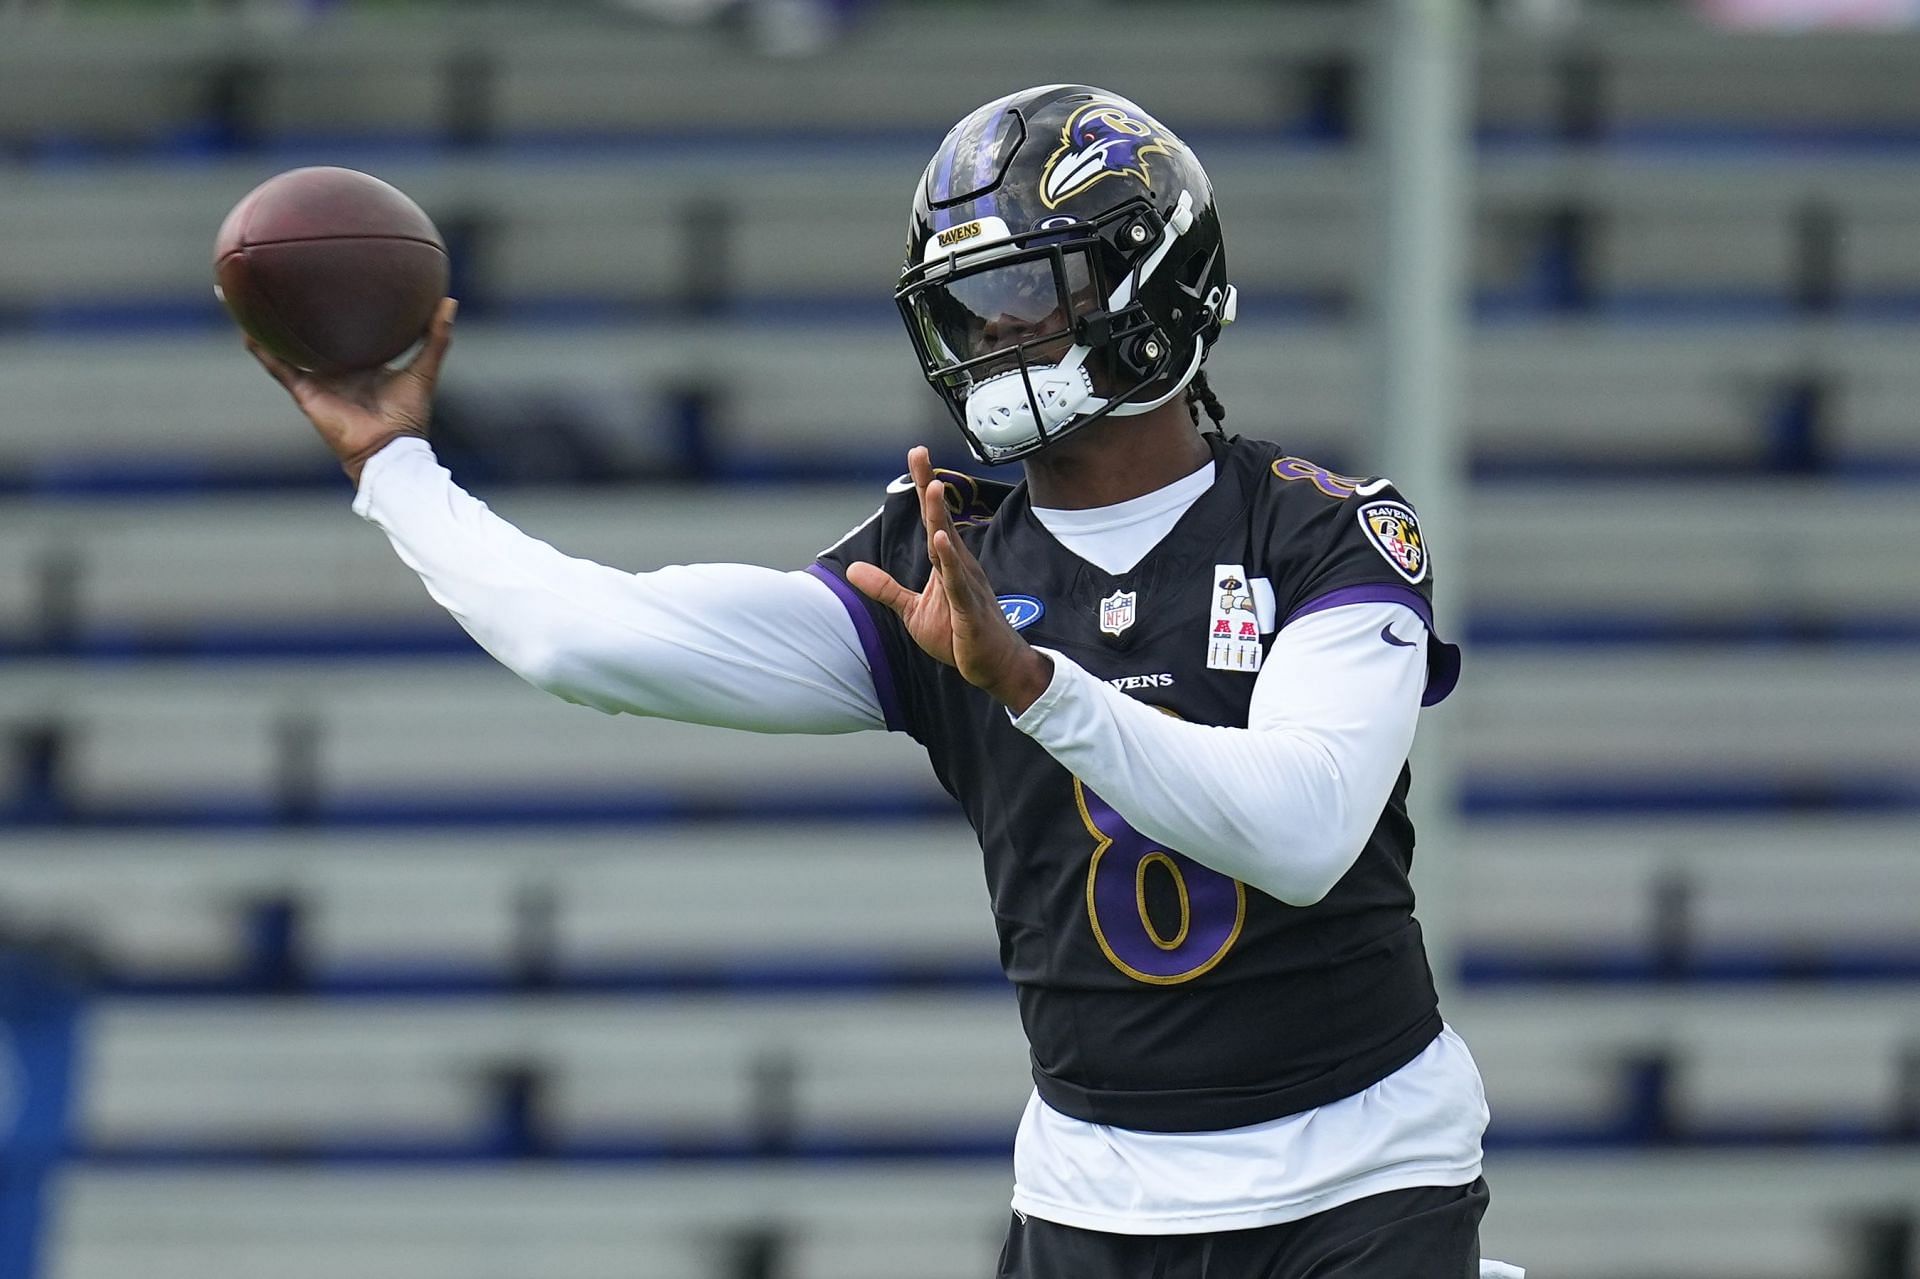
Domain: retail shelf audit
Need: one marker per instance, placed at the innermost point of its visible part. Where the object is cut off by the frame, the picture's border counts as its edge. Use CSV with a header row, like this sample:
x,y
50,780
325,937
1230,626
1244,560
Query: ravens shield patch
x,y
1394,530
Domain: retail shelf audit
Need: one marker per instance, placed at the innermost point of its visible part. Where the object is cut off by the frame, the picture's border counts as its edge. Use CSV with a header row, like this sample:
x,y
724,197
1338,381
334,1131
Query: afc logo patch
x,y
1394,530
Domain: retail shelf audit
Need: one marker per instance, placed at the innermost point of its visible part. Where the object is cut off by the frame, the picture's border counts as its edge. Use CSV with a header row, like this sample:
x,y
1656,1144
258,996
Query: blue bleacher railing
x,y
40,1002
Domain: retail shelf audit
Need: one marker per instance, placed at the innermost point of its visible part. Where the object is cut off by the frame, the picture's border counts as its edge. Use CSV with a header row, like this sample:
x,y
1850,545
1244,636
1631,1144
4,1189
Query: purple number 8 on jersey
x,y
1212,906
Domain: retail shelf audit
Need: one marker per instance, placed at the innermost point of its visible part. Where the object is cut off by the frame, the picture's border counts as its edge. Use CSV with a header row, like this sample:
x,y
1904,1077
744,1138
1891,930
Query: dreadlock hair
x,y
1201,396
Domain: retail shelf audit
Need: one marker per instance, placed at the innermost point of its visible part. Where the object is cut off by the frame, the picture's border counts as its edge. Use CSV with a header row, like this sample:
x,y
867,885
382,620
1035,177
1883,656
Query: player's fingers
x,y
426,365
878,585
933,506
937,511
961,577
932,492
278,369
940,550
920,467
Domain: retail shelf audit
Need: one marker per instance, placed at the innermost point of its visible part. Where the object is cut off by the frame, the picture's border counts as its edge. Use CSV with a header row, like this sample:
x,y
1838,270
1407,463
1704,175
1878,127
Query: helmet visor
x,y
1027,304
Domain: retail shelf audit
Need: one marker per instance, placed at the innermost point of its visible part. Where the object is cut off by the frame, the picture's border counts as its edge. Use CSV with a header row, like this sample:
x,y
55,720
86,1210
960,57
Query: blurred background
x,y
328,949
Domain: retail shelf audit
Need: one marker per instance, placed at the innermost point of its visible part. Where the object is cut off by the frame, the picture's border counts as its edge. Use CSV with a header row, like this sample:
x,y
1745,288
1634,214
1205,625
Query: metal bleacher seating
x,y
1657,896
430,730
1604,1216
788,229
154,575
601,1221
825,1073
396,967
820,1072
404,738
836,1071
1562,394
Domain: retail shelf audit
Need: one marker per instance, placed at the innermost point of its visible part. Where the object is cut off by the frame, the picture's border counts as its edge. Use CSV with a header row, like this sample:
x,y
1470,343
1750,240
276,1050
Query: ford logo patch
x,y
1022,610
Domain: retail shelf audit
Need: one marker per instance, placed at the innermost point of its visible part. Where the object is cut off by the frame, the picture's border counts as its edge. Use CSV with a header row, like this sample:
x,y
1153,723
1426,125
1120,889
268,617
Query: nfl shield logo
x,y
1116,612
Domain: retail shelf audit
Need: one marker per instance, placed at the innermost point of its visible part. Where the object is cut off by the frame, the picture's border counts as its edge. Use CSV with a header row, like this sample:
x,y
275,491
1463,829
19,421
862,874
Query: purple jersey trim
x,y
870,644
1443,659
1373,593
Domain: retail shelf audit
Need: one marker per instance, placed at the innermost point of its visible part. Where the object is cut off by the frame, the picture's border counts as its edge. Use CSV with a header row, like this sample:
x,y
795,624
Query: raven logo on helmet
x,y
1099,141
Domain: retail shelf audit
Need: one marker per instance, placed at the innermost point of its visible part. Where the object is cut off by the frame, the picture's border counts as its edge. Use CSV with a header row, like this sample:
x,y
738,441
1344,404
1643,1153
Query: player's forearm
x,y
1285,806
496,581
726,644
1269,809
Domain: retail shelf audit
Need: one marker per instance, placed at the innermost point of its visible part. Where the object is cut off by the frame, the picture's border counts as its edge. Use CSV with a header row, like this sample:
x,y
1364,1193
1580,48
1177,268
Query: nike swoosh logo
x,y
1386,633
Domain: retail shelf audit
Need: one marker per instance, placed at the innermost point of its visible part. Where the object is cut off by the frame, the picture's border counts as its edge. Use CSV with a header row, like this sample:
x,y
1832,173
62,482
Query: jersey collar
x,y
1199,528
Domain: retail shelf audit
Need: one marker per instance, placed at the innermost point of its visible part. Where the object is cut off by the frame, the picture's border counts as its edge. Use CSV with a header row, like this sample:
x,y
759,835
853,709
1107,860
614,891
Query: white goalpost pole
x,y
1420,135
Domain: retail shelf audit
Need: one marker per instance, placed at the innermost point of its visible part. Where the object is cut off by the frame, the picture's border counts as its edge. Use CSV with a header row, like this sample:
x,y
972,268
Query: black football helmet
x,y
1064,263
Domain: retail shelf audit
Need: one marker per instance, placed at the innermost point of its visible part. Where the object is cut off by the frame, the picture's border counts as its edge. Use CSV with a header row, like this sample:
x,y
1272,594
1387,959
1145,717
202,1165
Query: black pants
x,y
1431,1232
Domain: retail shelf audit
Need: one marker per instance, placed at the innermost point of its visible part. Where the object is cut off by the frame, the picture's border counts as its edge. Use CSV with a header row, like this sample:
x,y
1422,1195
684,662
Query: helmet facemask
x,y
1030,337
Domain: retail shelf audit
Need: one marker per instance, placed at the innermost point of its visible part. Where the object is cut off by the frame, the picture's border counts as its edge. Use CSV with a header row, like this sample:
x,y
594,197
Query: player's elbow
x,y
534,658
1323,840
546,663
1312,873
1308,885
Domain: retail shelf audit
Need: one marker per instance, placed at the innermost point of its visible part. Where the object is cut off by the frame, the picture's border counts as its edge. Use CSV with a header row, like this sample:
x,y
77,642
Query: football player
x,y
1172,677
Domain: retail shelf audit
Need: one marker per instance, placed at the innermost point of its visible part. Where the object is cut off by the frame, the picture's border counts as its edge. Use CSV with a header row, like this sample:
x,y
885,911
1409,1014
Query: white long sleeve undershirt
x,y
1284,804
732,645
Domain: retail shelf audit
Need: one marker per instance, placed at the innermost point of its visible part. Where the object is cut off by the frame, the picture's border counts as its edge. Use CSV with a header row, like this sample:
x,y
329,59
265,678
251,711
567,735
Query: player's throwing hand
x,y
360,413
956,618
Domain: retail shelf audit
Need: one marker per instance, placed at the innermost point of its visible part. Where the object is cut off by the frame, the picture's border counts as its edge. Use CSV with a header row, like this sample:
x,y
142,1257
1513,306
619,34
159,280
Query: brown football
x,y
330,269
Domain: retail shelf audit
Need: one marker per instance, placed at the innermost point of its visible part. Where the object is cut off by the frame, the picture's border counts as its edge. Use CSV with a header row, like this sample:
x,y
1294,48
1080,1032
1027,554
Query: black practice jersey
x,y
1158,994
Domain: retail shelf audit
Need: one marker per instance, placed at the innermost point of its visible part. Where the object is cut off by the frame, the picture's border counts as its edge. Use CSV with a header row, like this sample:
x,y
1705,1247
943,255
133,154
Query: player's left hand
x,y
957,618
